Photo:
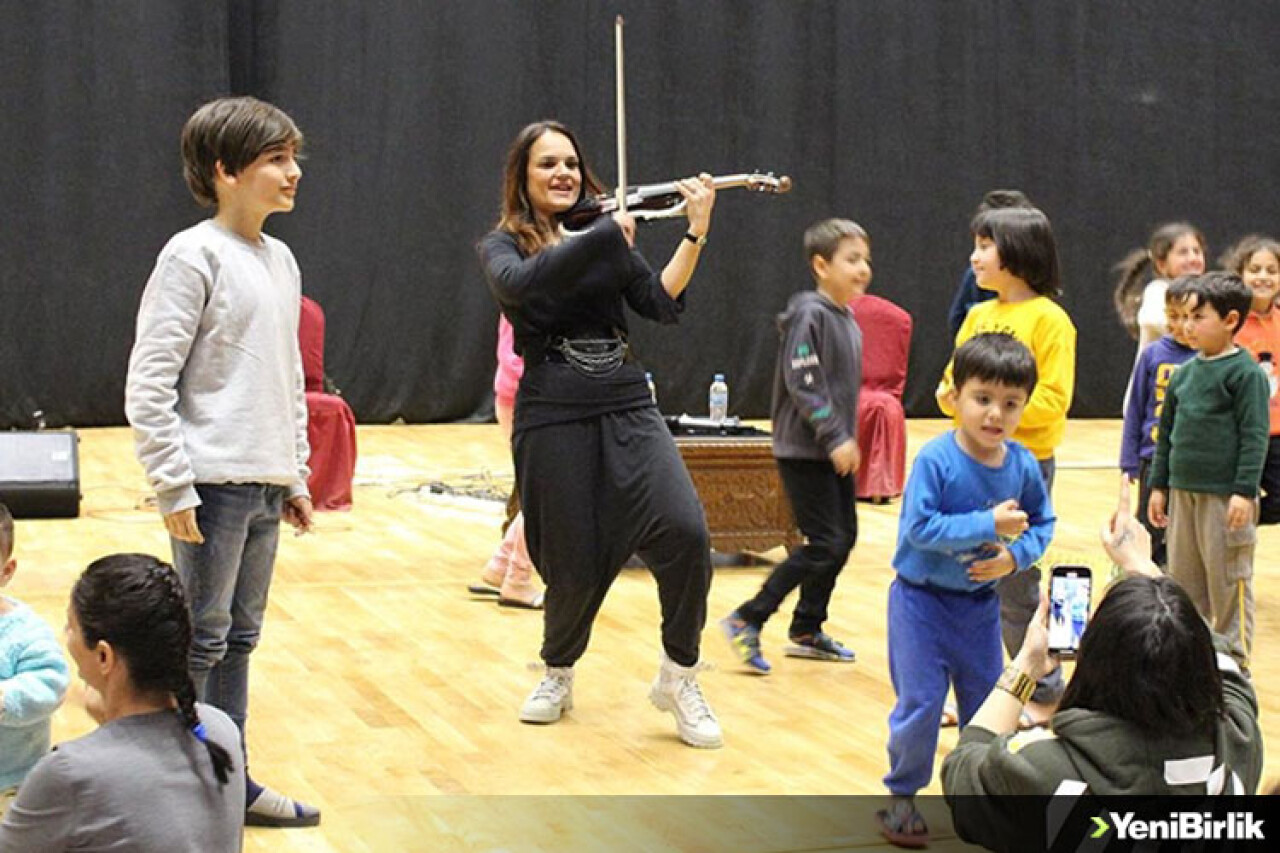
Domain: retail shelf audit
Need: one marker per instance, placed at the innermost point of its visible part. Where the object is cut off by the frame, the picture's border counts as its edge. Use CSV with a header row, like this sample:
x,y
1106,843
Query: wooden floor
x,y
386,696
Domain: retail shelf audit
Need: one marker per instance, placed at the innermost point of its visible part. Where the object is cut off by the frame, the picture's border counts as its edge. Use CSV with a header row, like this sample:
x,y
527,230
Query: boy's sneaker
x,y
676,690
820,646
551,698
745,640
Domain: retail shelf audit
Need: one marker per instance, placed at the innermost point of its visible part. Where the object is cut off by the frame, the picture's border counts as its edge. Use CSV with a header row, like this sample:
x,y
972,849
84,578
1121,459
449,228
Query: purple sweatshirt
x,y
1141,417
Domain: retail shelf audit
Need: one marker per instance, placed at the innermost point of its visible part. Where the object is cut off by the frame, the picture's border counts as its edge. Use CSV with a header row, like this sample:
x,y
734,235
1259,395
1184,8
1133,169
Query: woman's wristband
x,y
1016,683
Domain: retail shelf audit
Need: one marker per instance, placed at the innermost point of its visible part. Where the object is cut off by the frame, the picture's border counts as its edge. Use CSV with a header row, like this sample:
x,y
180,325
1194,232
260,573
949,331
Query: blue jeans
x,y
227,579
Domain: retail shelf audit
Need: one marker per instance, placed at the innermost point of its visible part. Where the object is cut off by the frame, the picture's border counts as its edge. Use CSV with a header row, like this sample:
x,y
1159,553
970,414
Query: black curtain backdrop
x,y
1113,116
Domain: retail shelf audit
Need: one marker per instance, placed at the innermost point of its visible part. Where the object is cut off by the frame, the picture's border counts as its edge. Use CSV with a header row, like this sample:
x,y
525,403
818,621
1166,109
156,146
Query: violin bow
x,y
621,106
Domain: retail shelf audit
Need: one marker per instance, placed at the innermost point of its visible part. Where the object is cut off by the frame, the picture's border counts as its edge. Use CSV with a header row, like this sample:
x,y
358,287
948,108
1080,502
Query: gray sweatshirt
x,y
817,378
215,387
136,784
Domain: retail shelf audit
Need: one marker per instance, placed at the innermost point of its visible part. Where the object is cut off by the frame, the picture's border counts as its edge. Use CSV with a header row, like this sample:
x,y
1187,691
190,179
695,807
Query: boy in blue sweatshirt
x,y
975,510
33,678
1148,384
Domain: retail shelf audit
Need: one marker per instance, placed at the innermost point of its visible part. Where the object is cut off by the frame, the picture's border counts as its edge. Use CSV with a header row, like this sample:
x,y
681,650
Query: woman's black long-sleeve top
x,y
574,289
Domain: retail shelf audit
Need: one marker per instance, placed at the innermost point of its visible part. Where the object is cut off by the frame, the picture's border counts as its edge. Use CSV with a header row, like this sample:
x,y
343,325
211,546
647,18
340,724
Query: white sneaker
x,y
551,698
676,690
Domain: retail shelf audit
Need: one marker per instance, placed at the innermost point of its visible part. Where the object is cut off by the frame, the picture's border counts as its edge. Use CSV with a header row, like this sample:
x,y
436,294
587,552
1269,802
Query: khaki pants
x,y
1214,565
6,797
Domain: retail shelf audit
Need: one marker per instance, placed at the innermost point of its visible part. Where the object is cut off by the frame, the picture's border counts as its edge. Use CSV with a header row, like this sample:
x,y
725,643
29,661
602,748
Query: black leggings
x,y
827,514
594,492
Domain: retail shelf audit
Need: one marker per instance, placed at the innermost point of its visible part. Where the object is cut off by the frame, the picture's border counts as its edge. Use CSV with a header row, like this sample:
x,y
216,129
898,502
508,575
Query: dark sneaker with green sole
x,y
820,646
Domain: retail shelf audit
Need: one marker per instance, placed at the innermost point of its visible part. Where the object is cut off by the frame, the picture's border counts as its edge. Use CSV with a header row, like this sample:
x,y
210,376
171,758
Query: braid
x,y
184,691
1134,273
218,755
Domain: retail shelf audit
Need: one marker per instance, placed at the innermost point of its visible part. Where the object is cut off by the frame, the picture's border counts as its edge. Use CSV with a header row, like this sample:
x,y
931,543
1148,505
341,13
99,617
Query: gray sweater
x,y
215,388
817,378
137,784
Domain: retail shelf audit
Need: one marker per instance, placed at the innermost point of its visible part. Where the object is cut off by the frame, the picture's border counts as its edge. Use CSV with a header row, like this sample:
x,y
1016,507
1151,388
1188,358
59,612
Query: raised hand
x,y
1034,658
1010,521
700,194
627,223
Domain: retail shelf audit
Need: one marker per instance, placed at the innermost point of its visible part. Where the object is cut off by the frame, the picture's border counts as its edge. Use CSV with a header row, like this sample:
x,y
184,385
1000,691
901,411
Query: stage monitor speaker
x,y
40,474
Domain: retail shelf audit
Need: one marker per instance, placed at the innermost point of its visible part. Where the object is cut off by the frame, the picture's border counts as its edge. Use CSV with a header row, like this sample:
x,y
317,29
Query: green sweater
x,y
1213,429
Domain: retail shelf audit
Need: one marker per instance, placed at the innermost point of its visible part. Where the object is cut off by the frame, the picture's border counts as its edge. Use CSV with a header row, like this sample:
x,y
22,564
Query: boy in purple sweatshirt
x,y
1150,380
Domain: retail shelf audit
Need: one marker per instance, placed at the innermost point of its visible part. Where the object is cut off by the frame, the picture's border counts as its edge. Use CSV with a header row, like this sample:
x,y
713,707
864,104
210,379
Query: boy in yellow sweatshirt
x,y
1014,255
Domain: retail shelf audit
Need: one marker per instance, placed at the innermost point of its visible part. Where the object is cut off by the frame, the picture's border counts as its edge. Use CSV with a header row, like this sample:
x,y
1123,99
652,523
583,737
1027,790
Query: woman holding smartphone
x,y
1156,706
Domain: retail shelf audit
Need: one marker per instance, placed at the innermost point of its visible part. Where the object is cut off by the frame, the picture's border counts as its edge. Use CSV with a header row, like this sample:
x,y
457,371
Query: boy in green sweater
x,y
1210,446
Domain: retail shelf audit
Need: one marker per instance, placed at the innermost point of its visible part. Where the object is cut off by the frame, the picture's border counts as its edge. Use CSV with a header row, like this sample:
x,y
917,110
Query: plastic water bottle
x,y
718,399
653,389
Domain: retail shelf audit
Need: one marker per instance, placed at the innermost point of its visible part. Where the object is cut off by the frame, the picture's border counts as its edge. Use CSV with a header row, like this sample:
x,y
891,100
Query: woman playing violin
x,y
599,474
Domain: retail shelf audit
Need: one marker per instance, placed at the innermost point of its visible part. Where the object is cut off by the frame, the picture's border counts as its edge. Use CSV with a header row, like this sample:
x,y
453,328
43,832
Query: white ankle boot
x,y
551,698
676,690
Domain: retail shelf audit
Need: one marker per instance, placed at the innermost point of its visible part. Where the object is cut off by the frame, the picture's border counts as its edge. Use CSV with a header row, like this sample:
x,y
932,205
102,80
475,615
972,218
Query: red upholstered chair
x,y
882,424
331,426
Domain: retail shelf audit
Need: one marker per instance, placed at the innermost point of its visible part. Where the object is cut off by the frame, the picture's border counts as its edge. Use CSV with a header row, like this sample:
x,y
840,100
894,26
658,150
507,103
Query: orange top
x,y
1260,335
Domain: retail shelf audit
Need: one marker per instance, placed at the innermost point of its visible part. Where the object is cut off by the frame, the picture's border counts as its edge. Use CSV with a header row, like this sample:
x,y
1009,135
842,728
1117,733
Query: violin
x,y
651,201
662,201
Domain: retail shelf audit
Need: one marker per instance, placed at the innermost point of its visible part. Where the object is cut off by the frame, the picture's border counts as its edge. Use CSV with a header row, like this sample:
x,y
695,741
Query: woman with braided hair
x,y
158,773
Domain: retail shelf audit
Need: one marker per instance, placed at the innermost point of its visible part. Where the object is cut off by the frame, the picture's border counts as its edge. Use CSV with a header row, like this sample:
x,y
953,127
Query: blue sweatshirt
x,y
947,522
33,677
1150,381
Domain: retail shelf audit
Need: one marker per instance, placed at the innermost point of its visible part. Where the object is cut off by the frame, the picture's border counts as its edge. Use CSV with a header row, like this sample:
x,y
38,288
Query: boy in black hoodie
x,y
815,415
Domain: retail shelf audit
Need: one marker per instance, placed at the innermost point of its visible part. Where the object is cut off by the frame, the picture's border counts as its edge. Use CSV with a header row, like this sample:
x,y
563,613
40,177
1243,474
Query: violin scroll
x,y
766,183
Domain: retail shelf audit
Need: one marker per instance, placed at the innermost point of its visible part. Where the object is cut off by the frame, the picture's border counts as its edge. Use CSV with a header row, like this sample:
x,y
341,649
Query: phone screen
x,y
1069,592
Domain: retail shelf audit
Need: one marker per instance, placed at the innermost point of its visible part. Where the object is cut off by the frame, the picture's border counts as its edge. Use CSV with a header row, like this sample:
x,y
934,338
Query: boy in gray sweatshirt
x,y
215,398
815,418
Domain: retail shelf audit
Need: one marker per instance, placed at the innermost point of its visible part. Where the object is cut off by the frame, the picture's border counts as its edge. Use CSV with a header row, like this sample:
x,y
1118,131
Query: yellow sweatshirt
x,y
1045,328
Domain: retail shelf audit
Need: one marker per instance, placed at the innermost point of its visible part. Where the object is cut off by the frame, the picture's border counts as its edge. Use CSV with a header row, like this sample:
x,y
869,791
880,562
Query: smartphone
x,y
1070,591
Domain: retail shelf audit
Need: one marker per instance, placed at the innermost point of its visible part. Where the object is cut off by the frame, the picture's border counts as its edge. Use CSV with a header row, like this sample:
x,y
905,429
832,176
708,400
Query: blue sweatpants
x,y
936,638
